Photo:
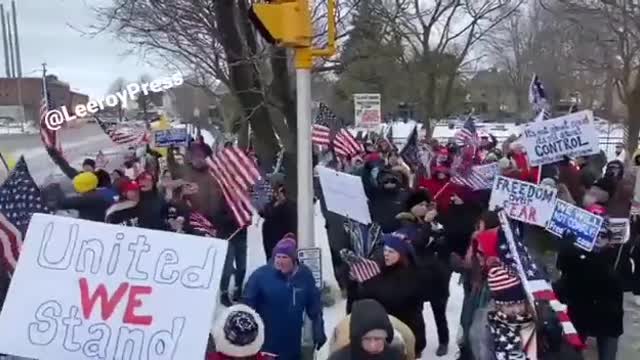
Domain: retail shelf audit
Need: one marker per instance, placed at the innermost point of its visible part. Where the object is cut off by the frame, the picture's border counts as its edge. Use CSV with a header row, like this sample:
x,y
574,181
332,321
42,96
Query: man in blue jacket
x,y
280,292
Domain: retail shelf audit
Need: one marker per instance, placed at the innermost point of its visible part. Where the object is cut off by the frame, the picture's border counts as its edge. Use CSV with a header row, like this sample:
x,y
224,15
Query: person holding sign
x,y
592,289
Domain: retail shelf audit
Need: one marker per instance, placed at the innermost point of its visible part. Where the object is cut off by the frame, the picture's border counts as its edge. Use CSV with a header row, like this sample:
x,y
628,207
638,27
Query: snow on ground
x,y
333,315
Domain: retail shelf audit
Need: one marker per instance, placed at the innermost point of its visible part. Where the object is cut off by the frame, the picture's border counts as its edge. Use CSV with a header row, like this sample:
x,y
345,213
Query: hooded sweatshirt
x,y
367,315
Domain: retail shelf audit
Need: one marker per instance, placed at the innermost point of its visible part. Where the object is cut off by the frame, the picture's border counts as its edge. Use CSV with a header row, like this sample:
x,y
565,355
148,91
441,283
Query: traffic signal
x,y
283,22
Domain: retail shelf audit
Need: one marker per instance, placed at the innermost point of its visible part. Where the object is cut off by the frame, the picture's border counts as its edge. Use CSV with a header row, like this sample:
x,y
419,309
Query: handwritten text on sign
x,y
86,290
571,135
523,201
583,224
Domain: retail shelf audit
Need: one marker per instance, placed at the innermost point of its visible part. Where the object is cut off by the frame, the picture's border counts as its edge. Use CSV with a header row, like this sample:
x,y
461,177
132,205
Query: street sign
x,y
312,258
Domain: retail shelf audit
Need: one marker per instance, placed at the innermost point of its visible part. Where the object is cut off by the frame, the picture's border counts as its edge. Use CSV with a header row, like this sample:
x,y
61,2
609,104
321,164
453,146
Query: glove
x,y
319,337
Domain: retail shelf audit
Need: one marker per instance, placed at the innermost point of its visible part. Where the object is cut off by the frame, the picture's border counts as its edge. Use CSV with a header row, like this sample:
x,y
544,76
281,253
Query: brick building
x,y
59,92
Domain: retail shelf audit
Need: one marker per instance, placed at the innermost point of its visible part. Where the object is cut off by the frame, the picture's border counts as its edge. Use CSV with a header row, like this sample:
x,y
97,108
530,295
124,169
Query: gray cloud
x,y
89,64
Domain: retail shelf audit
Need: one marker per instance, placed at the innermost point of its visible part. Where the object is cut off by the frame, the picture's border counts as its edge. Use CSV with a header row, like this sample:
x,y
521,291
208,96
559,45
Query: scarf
x,y
506,335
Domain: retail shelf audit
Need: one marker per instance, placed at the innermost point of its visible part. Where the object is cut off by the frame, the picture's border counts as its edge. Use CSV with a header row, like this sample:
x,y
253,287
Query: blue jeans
x,y
236,253
607,348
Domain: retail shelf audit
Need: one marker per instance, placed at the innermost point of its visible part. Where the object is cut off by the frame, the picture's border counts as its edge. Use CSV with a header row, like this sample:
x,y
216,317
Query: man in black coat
x,y
280,218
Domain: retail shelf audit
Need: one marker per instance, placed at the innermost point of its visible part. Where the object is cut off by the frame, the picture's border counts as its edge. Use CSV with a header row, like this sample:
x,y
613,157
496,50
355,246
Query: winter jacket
x,y
90,206
459,224
62,163
151,207
367,316
592,291
592,170
431,256
385,204
341,337
442,191
398,290
279,220
569,175
209,197
281,301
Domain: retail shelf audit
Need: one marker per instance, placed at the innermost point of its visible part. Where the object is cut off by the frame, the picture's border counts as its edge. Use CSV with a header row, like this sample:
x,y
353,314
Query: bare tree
x,y
612,28
118,86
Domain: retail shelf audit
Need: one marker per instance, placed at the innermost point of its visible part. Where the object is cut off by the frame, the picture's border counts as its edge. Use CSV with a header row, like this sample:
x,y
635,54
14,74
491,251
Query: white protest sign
x,y
344,194
87,290
523,201
620,230
570,135
368,109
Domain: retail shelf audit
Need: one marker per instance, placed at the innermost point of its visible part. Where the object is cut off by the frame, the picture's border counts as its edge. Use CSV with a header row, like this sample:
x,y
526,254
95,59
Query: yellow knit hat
x,y
85,182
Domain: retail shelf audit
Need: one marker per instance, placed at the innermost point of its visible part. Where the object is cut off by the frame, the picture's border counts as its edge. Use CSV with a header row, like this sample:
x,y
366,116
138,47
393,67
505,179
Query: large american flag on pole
x,y
48,136
328,132
236,174
19,199
124,134
514,253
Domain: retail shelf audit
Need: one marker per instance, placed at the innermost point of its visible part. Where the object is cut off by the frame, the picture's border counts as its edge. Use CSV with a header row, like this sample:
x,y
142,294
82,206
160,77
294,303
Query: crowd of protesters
x,y
428,228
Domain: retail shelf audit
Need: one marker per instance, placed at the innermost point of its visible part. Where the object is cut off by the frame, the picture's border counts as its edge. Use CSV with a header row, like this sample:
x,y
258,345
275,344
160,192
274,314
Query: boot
x,y
237,294
442,350
225,300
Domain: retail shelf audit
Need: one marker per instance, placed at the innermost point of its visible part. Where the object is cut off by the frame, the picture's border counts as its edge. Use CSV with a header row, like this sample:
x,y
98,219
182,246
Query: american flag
x,y
201,225
19,199
468,135
538,99
361,269
463,163
236,174
328,131
124,135
49,137
514,253
410,153
479,178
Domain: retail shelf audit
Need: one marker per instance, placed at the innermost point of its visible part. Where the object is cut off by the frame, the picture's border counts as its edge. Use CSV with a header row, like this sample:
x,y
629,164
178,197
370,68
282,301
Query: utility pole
x,y
5,44
287,23
11,58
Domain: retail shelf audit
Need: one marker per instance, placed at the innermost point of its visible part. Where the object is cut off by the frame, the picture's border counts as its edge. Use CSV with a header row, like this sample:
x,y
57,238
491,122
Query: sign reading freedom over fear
x,y
87,290
523,201
551,140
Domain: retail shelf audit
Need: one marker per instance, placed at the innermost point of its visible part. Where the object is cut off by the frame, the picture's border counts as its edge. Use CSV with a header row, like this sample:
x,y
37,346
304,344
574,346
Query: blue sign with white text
x,y
583,224
175,137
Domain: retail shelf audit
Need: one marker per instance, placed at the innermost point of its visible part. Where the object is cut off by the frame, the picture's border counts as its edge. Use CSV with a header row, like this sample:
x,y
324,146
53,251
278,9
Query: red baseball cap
x,y
129,186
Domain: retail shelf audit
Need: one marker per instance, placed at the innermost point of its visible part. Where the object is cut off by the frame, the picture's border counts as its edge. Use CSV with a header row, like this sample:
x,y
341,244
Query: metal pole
x,y
11,58
16,43
305,168
5,43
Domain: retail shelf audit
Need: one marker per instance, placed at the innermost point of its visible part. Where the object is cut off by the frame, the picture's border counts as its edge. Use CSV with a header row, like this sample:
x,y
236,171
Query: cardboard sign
x,y
169,137
583,224
312,258
523,201
368,110
344,194
87,290
620,230
551,140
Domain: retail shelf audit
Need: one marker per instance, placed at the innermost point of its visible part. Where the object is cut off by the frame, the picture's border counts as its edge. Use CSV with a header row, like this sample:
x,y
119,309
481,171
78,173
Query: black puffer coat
x,y
397,289
367,315
592,291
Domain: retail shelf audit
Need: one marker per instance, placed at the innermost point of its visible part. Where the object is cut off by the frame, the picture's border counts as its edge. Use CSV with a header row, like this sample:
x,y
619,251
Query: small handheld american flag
x,y
361,269
201,225
538,99
236,174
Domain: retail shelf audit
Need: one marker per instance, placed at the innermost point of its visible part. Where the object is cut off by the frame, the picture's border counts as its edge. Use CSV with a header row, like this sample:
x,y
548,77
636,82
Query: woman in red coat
x,y
440,188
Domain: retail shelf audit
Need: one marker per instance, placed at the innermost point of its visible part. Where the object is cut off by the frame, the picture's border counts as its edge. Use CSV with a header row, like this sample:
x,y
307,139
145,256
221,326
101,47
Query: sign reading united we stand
x,y
87,290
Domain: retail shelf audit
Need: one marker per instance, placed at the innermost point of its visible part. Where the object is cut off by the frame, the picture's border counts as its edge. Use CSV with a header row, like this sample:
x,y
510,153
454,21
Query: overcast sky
x,y
89,65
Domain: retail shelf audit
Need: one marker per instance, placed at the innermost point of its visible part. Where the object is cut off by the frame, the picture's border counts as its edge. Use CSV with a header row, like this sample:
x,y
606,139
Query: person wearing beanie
x,y
281,292
511,322
397,287
432,253
239,335
371,334
386,197
89,202
152,204
592,287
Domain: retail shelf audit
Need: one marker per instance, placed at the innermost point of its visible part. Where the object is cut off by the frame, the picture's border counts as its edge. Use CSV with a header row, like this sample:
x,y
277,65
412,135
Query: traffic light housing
x,y
283,22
